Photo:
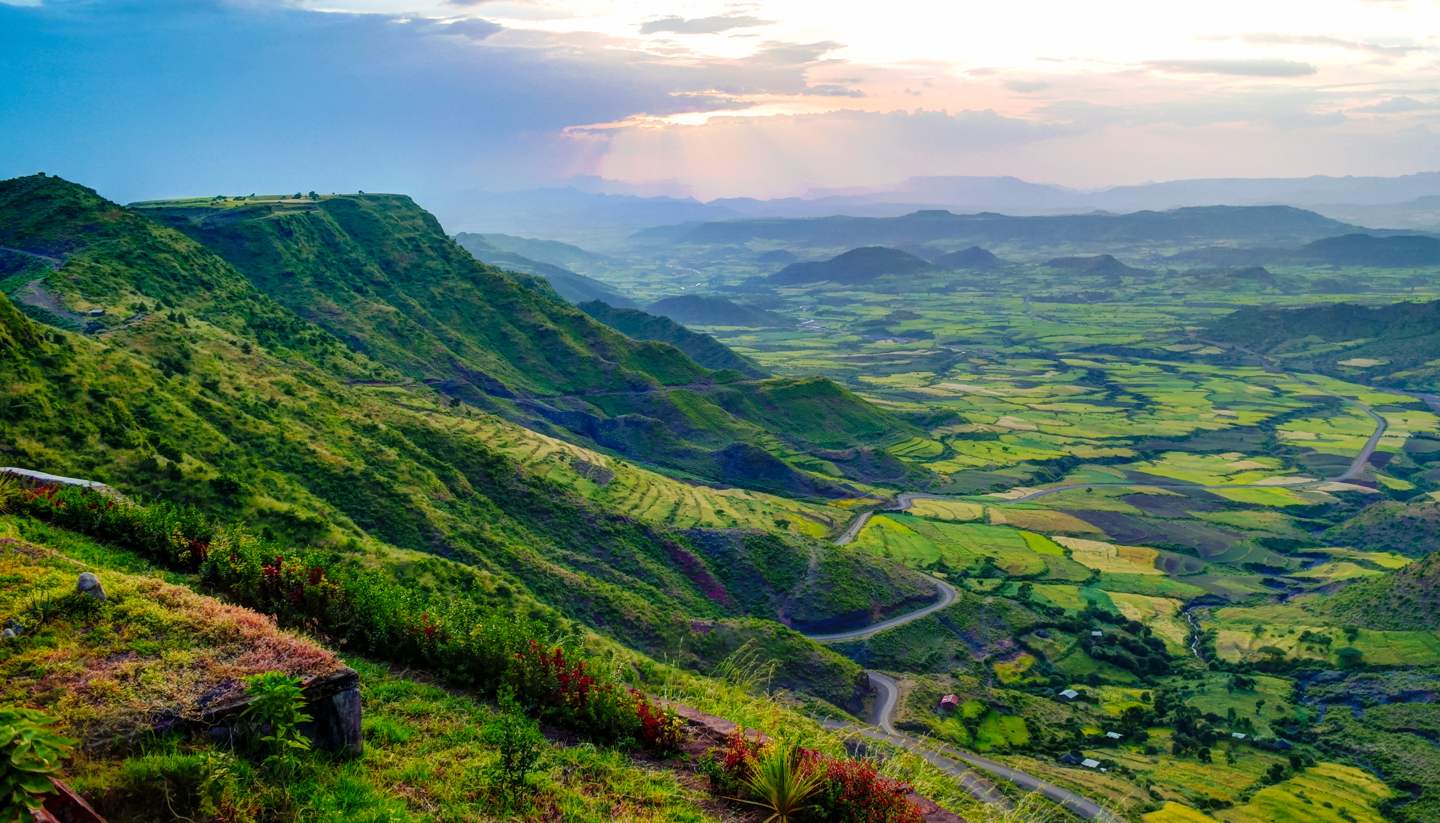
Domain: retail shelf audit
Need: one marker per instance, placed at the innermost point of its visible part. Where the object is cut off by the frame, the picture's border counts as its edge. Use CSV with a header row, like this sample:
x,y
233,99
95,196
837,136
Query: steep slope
x,y
171,405
855,266
705,310
1411,528
378,272
702,348
1408,599
553,252
576,288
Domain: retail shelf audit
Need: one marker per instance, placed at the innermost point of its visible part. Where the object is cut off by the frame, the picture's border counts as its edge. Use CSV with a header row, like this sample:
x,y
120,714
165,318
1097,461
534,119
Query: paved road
x,y
956,761
945,596
853,530
962,764
1362,460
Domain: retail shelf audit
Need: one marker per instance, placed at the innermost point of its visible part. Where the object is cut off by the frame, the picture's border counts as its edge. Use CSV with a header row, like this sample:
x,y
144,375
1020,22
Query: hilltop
x,y
1398,251
706,310
1408,600
1103,265
378,272
972,258
855,266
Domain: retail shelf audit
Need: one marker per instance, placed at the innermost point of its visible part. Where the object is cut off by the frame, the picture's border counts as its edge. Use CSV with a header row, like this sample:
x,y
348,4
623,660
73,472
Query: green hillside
x,y
577,288
1392,344
1408,600
702,348
379,273
168,404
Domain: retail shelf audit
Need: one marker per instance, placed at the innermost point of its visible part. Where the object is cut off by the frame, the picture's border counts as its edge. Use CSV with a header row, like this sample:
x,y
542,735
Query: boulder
x,y
89,584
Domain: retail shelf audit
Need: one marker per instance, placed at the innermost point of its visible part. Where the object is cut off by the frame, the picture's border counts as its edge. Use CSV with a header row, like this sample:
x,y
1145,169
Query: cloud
x,y
832,90
1397,105
787,154
471,28
793,54
1241,68
700,25
1027,86
1269,39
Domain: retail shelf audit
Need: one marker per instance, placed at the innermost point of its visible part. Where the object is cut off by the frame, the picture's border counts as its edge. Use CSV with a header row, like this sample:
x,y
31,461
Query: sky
x,y
157,98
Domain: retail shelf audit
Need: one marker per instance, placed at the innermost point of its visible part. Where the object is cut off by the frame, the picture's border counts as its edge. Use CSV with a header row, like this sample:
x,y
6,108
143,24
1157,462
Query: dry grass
x,y
151,653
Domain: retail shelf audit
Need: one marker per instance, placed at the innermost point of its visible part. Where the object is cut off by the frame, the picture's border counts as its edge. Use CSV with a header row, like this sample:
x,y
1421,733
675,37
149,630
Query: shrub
x,y
844,790
559,687
660,729
367,611
782,780
274,717
854,792
520,745
30,756
12,494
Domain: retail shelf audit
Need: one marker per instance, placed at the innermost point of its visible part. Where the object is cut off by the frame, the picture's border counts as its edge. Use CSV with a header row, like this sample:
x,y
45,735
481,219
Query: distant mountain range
x,y
576,288
1201,224
595,218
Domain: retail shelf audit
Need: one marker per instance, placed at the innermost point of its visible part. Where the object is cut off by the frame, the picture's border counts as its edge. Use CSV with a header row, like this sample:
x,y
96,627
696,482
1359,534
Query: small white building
x,y
1097,633
1090,763
1238,735
1114,735
1069,694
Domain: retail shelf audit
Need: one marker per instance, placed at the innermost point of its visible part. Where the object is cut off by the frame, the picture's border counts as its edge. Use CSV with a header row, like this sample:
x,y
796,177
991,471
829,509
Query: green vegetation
x,y
1174,555
30,755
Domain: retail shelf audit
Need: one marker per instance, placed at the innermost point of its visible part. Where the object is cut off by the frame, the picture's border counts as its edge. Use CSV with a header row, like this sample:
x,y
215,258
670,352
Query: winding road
x,y
961,763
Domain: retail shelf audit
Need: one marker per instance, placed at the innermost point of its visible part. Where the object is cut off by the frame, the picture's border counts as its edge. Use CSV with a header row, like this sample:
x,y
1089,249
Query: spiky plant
x,y
782,783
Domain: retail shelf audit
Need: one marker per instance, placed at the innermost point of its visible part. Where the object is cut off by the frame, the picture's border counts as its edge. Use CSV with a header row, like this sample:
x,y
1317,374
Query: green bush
x,y
274,717
210,785
30,756
12,494
520,745
367,611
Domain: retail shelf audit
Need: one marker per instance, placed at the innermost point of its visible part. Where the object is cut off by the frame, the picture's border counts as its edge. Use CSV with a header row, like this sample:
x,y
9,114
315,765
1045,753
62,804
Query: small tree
x,y
520,745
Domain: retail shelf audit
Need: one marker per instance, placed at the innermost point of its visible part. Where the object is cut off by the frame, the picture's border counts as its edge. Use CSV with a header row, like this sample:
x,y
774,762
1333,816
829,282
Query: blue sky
x,y
171,97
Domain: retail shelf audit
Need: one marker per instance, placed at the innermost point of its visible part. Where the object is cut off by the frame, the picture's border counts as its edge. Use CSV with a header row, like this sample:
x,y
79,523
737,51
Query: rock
x,y
8,634
90,584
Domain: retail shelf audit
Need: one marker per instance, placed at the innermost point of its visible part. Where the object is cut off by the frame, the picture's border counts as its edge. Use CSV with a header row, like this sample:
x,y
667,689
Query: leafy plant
x,y
520,745
30,755
782,781
275,713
